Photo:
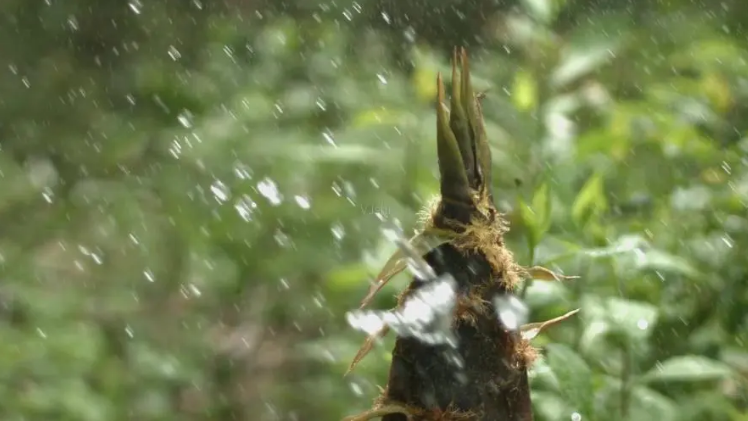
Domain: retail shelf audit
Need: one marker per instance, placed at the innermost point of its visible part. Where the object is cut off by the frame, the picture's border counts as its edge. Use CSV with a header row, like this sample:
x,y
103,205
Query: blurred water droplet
x,y
41,333
129,332
382,79
73,23
410,34
728,241
426,315
48,195
281,238
242,171
576,416
174,53
194,290
386,17
329,138
26,82
302,201
220,191
136,6
149,275
321,104
642,324
416,265
356,389
245,207
269,190
185,119
338,231
511,310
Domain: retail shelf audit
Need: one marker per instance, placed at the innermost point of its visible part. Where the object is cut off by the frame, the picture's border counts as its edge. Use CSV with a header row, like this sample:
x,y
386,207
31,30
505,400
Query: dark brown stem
x,y
492,383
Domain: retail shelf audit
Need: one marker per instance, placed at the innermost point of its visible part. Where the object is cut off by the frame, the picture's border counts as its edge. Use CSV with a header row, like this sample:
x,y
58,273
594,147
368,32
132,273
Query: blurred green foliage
x,y
192,193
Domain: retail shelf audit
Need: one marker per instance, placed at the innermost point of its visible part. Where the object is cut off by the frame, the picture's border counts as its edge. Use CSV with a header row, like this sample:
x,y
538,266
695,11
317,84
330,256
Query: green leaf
x,y
525,91
665,262
550,406
590,200
542,10
537,216
574,377
646,404
633,318
580,61
688,368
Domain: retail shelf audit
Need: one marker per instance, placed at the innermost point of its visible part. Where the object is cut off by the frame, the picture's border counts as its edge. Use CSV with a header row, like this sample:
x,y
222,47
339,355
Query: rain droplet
x,y
269,190
338,231
511,310
356,389
185,119
174,53
220,191
242,172
73,23
576,416
642,324
136,6
149,275
245,207
329,138
282,238
302,201
386,17
48,195
382,79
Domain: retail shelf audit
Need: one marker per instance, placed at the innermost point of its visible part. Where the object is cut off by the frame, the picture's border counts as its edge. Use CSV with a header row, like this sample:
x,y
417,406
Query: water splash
x,y
426,314
512,312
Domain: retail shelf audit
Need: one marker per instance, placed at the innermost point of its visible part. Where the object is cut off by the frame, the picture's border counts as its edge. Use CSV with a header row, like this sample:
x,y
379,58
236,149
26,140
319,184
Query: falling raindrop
x,y
382,79
356,389
185,119
136,6
73,23
220,192
245,207
329,138
511,310
269,190
576,416
242,171
149,275
338,231
174,53
302,201
386,17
